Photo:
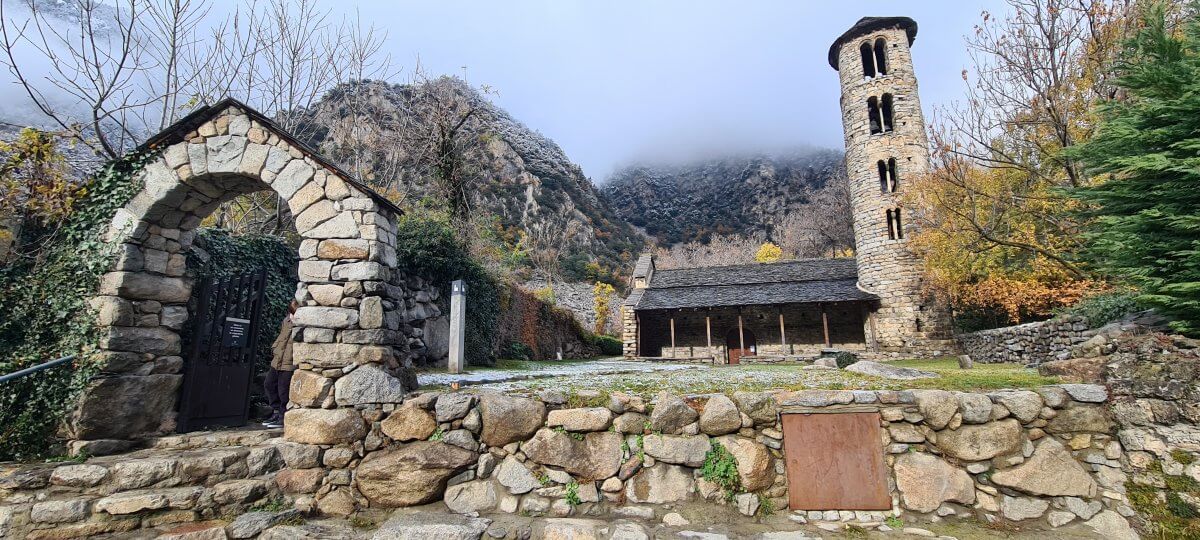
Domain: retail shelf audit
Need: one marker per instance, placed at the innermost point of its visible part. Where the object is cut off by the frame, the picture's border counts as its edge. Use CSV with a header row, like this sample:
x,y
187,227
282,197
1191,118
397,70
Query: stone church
x,y
872,302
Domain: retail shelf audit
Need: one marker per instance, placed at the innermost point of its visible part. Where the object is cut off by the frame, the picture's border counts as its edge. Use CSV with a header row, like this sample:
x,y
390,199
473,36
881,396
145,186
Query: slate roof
x,y
867,25
792,282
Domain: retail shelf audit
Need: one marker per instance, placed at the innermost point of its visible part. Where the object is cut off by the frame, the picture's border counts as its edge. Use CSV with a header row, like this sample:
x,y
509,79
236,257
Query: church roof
x,y
867,25
791,282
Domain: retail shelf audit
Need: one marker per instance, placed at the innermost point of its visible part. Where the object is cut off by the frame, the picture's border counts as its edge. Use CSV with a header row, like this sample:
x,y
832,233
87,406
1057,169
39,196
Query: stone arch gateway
x,y
351,311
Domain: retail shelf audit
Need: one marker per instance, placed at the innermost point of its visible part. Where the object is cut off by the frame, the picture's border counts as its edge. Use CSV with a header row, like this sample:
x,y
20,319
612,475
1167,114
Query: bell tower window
x,y
895,227
874,116
868,60
887,112
881,66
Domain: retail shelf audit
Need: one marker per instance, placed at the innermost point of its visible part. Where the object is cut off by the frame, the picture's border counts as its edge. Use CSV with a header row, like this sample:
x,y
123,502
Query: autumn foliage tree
x,y
997,231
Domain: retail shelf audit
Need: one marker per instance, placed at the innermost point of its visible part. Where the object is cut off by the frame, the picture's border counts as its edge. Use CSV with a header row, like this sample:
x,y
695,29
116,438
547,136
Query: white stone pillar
x,y
458,324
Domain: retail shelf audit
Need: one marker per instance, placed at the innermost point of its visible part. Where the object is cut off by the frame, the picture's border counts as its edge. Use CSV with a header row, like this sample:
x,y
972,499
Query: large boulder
x,y
1025,405
756,467
671,413
720,416
126,407
888,371
981,441
759,406
425,525
678,449
410,474
310,389
660,484
324,426
515,476
1086,370
453,406
509,419
1081,418
467,497
938,406
409,422
596,457
583,419
367,385
925,482
1051,471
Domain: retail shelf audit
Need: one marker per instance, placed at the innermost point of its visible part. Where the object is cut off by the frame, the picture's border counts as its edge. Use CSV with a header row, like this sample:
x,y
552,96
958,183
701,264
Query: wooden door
x,y
835,462
733,343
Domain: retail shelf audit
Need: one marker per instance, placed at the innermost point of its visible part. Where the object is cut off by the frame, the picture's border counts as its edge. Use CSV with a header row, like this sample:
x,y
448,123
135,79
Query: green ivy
x,y
573,494
218,254
44,298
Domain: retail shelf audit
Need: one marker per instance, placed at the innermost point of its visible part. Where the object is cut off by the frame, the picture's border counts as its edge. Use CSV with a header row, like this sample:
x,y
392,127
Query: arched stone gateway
x,y
351,310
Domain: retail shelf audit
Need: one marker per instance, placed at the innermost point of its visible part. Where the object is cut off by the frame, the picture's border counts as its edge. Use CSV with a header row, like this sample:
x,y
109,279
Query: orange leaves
x,y
35,180
1022,300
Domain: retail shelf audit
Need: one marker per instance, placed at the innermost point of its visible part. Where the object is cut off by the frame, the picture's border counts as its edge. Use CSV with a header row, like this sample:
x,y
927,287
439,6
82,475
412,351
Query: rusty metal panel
x,y
835,462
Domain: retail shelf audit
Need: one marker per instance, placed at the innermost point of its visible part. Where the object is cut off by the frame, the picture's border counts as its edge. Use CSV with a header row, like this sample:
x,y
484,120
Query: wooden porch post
x,y
672,336
741,334
708,331
871,328
825,324
782,333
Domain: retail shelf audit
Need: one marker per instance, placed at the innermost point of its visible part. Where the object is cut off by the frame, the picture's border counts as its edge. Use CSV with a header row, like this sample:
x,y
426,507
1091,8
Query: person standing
x,y
278,381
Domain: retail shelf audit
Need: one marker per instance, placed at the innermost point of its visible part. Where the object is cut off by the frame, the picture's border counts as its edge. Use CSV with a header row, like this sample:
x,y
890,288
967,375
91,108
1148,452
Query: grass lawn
x,y
729,379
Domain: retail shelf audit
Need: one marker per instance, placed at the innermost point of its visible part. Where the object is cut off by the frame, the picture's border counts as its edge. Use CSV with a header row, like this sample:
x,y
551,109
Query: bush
x,y
516,350
608,345
1101,309
427,246
844,359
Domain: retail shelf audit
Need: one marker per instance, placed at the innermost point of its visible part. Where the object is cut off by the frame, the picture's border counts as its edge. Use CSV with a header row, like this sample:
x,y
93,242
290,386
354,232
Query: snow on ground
x,y
489,378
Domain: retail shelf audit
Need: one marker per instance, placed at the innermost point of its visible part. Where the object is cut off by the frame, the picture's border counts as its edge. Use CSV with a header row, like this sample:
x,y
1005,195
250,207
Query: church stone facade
x,y
886,148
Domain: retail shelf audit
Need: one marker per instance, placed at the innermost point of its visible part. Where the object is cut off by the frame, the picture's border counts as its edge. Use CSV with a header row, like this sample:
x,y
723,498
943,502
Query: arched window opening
x,y
881,66
884,181
873,115
893,180
868,60
891,225
897,226
887,112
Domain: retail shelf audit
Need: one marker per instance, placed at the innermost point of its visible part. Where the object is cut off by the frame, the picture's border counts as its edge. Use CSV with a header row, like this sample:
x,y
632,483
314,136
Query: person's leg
x,y
283,390
271,388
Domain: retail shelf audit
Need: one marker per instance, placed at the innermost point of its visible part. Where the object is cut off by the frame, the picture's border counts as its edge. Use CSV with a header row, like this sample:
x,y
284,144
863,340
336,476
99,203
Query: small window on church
x,y
893,180
887,112
873,115
868,60
884,181
881,66
891,225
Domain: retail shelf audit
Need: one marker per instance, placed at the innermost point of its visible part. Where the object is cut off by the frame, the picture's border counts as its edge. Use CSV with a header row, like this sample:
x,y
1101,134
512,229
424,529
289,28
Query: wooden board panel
x,y
835,462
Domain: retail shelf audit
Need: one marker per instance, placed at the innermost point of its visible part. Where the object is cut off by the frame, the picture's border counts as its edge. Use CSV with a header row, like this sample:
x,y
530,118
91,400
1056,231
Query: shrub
x,y
608,345
517,351
1100,309
844,359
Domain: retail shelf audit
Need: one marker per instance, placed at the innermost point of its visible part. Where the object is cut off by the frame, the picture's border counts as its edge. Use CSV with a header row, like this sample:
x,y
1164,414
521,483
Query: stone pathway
x,y
492,377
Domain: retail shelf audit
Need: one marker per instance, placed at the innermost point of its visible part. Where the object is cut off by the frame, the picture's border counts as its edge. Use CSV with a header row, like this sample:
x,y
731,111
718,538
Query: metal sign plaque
x,y
237,333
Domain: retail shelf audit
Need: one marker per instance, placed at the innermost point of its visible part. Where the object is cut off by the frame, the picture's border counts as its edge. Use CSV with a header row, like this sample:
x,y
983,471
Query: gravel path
x,y
492,378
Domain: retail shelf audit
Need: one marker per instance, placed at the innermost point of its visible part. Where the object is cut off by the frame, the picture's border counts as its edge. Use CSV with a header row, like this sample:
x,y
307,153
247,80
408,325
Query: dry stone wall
x,y
1048,454
1030,343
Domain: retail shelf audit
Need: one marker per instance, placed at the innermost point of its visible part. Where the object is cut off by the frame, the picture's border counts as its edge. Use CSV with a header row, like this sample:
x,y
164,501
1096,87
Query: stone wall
x,y
905,319
1030,343
1048,454
176,481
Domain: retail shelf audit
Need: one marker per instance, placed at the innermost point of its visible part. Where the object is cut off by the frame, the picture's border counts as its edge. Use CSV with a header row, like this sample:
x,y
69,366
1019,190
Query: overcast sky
x,y
614,81
617,81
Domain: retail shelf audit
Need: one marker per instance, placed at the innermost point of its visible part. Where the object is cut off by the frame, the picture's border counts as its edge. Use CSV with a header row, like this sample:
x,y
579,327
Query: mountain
x,y
523,179
732,195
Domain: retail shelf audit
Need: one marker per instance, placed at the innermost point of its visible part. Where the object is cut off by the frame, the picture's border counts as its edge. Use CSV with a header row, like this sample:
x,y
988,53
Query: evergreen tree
x,y
1144,207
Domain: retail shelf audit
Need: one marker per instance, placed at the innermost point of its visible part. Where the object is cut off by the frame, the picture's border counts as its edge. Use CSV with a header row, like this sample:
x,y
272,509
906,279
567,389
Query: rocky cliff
x,y
523,178
736,195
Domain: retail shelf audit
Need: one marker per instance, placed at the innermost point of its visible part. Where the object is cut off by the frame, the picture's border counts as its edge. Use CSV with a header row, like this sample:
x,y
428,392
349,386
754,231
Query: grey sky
x,y
613,81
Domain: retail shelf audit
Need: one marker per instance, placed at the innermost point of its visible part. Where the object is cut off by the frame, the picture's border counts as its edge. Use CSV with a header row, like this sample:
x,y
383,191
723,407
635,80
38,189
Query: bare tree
x,y
721,250
821,227
546,244
129,70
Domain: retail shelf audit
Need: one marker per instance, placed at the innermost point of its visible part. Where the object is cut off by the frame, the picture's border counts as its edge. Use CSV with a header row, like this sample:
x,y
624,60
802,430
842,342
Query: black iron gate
x,y
221,352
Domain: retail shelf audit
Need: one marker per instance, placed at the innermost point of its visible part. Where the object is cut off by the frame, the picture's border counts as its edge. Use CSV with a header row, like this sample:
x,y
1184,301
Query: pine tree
x,y
1144,208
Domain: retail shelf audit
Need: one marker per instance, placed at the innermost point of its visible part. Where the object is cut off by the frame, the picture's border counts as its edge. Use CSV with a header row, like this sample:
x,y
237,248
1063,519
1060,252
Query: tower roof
x,y
867,25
